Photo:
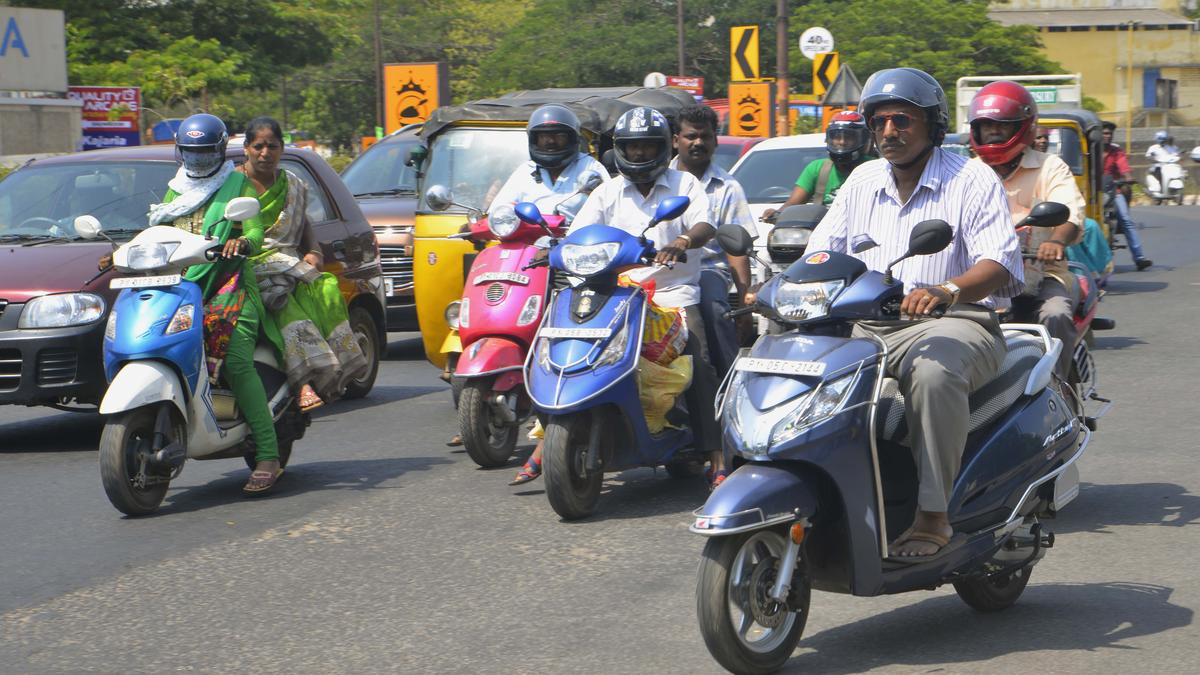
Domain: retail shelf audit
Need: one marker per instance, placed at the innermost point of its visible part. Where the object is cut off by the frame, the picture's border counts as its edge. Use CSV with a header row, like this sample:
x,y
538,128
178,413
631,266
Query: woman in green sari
x,y
234,315
321,354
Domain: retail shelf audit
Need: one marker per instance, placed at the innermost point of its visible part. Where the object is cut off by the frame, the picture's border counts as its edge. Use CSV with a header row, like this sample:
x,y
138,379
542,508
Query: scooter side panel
x,y
141,383
488,356
755,496
142,317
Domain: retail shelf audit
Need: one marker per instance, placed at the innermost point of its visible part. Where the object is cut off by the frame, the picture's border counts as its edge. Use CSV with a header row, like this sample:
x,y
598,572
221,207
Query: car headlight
x,y
762,429
809,300
586,260
503,221
150,256
529,313
61,309
183,319
454,314
615,349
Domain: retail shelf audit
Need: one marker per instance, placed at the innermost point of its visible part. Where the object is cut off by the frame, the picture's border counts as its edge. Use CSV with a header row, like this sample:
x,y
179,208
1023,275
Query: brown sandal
x,y
261,481
309,399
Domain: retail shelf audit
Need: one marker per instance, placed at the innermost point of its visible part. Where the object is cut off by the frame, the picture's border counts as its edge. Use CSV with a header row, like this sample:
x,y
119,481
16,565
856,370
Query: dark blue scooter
x,y
825,477
582,369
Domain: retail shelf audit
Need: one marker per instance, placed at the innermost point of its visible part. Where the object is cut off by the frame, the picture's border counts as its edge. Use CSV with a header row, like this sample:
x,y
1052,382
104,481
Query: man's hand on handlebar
x,y
669,255
923,301
1051,251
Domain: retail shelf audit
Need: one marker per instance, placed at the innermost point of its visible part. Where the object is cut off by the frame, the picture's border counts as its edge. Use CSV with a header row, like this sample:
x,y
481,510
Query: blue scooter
x,y
582,368
824,475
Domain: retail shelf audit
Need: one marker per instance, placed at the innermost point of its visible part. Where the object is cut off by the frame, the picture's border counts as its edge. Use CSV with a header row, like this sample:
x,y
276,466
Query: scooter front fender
x,y
754,497
141,383
452,344
489,356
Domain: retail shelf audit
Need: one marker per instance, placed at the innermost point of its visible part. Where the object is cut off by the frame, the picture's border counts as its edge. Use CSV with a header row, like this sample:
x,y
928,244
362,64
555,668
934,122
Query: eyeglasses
x,y
900,121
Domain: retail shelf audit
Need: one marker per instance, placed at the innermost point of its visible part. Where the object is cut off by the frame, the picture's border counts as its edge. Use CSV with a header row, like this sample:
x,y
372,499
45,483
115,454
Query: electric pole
x,y
378,71
679,31
782,99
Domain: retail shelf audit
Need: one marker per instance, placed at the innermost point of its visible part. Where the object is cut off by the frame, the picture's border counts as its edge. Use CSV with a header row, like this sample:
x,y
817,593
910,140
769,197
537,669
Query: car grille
x,y
57,366
397,267
494,293
10,369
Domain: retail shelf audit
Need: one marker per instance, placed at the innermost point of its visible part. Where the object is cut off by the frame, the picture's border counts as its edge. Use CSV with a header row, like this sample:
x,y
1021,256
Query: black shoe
x,y
1143,263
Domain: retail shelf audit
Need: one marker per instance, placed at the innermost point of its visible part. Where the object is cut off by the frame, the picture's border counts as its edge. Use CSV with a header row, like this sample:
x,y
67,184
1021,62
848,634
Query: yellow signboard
x,y
743,54
750,109
411,92
825,70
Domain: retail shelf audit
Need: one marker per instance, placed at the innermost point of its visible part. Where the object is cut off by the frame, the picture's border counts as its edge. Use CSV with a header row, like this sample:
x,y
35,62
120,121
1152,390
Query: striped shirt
x,y
727,205
967,195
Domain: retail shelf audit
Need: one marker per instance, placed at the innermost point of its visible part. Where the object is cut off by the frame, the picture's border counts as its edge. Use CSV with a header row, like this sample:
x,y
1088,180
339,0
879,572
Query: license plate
x,y
781,367
389,286
145,282
552,332
502,276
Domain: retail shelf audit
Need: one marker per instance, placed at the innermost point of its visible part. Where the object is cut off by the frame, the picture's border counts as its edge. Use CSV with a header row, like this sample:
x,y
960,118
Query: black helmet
x,y
908,85
200,145
642,124
556,118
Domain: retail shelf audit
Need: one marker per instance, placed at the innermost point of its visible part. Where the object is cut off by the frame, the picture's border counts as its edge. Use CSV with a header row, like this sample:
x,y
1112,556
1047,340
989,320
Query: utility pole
x,y
1129,86
782,100
378,71
679,31
285,104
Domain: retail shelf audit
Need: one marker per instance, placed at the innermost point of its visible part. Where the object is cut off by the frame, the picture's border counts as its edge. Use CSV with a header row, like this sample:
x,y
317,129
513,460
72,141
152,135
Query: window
x,y
318,209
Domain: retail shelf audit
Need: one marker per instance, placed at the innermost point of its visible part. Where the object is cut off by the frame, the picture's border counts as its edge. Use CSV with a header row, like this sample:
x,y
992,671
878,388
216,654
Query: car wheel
x,y
367,334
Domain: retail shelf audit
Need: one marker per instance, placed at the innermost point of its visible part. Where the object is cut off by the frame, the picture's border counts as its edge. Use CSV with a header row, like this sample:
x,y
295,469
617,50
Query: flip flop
x,y
926,537
529,472
310,401
261,482
454,442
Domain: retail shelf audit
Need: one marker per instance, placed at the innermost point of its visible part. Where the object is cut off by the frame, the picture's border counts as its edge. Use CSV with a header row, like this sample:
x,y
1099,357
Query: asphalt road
x,y
386,551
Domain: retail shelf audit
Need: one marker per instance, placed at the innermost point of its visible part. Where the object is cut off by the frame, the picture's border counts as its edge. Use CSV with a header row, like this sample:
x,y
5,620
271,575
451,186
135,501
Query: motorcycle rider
x,y
695,143
848,142
937,362
1002,117
642,151
1116,168
1163,151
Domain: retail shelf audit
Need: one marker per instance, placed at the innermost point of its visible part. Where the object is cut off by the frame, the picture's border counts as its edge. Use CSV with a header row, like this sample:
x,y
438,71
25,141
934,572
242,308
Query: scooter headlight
x,y
110,328
183,320
503,221
788,237
762,429
529,313
543,353
806,301
453,314
615,350
819,406
142,257
58,310
586,260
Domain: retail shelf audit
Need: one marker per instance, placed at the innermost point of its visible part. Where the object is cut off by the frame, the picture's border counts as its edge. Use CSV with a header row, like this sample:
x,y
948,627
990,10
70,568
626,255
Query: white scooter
x,y
160,408
1170,188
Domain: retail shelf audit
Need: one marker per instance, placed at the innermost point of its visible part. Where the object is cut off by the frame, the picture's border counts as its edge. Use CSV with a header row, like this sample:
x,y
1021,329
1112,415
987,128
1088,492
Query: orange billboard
x,y
411,92
750,108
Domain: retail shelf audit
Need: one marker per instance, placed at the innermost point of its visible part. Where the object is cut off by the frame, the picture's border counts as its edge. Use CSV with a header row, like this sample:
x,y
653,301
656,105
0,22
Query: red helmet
x,y
1003,101
846,137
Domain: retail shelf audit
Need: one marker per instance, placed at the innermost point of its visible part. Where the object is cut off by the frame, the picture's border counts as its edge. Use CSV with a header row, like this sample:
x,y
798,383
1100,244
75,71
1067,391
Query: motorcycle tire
x,y
489,444
991,594
367,335
572,489
121,442
685,469
737,571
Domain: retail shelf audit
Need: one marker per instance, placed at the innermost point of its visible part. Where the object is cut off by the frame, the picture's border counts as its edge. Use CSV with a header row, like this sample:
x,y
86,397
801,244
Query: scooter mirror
x,y
1047,214
241,209
438,197
528,213
929,237
87,227
735,240
671,208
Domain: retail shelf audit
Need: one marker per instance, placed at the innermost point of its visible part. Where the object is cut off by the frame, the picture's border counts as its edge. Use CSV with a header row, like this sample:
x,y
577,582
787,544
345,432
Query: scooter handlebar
x,y
741,311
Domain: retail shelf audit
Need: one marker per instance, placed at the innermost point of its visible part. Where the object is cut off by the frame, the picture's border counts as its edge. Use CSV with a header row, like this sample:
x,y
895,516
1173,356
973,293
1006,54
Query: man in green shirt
x,y
847,140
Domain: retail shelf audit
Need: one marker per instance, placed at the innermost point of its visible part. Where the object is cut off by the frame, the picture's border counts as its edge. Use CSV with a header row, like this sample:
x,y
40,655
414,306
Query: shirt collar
x,y
713,172
931,176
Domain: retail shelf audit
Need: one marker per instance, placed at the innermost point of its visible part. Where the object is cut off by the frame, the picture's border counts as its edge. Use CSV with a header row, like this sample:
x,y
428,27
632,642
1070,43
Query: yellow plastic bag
x,y
664,335
659,386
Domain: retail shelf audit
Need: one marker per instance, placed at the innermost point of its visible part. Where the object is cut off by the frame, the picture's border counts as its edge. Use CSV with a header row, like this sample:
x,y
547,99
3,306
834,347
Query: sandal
x,y
454,442
530,471
261,481
714,481
309,399
923,537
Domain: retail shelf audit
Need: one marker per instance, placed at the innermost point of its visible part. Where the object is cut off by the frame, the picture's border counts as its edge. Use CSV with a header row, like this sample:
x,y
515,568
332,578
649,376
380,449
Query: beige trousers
x,y
939,362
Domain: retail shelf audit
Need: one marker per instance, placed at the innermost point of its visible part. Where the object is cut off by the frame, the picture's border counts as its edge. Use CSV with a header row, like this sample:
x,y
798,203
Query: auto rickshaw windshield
x,y
1064,142
474,163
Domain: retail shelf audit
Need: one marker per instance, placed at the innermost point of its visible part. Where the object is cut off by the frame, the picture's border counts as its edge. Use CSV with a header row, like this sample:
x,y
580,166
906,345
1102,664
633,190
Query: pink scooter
x,y
501,308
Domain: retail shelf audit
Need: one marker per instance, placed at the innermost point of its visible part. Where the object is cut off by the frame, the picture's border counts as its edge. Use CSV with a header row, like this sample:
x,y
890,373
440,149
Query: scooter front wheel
x,y
488,441
744,629
572,488
126,445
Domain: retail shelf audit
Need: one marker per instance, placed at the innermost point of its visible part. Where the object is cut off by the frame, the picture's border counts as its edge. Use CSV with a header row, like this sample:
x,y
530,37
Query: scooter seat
x,y
988,402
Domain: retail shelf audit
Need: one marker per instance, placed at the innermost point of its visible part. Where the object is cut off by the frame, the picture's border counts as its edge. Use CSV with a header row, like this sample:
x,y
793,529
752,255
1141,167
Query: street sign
x,y
815,40
825,67
750,109
1043,94
845,90
743,54
412,91
692,85
654,80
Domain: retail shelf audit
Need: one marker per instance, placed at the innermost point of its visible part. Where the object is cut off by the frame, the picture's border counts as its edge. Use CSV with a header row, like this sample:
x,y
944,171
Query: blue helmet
x,y
200,145
908,85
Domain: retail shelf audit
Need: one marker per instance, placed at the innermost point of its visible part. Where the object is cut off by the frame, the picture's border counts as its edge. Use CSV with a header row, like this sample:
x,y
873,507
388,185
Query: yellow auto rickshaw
x,y
1075,137
471,149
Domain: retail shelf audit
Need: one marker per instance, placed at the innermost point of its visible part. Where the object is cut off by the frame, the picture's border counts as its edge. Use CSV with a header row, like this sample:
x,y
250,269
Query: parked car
x,y
731,148
386,189
54,303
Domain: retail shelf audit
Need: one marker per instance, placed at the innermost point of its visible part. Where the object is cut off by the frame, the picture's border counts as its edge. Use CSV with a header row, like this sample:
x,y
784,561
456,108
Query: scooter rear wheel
x,y
992,594
572,489
489,443
125,446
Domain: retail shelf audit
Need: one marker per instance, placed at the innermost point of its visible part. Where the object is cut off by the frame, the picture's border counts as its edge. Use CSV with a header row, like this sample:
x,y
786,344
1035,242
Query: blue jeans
x,y
1125,226
721,332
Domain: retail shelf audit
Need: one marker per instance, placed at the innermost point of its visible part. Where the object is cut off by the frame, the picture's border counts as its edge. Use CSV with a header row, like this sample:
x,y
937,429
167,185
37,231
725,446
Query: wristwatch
x,y
951,288
686,238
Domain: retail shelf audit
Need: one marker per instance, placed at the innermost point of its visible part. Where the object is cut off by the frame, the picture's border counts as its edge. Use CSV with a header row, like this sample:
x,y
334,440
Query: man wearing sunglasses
x,y
1002,116
937,362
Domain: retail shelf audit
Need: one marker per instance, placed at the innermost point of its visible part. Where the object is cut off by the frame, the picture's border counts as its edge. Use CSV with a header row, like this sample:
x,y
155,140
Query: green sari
x,y
304,304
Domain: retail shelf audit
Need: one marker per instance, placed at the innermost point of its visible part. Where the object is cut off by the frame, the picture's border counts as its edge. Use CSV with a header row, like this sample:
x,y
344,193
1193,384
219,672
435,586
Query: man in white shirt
x,y
695,142
642,149
1164,151
938,362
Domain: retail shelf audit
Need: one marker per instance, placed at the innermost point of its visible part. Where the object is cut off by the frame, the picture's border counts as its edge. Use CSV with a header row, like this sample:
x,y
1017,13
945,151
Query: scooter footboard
x,y
753,497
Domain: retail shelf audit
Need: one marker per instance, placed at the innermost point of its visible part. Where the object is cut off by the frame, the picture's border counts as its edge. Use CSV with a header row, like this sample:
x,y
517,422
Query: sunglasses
x,y
900,121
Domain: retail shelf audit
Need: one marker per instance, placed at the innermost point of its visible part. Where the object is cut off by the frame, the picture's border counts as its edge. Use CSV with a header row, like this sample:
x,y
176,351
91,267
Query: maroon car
x,y
54,302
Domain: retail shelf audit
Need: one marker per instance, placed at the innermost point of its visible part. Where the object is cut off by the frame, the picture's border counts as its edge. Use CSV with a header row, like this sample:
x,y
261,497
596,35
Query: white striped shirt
x,y
967,195
727,205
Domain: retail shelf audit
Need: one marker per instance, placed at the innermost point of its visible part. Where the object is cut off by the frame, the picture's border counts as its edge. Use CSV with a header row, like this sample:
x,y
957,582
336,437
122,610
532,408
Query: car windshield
x,y
382,169
768,176
474,163
44,200
727,155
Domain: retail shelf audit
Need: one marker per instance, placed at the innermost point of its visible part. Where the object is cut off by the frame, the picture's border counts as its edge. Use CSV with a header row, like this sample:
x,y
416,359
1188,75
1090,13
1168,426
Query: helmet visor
x,y
845,139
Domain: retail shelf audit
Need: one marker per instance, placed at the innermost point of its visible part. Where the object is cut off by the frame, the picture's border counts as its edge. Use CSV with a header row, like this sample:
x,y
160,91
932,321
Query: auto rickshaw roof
x,y
1086,119
598,108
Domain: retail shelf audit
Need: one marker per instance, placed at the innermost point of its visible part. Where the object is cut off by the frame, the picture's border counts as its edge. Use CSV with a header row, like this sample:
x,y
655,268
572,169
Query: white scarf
x,y
193,193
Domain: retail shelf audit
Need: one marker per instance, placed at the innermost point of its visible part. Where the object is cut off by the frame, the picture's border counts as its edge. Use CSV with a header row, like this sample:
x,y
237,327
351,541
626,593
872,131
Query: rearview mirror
x,y
1047,214
735,240
417,157
438,198
929,237
528,213
671,208
87,227
241,209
